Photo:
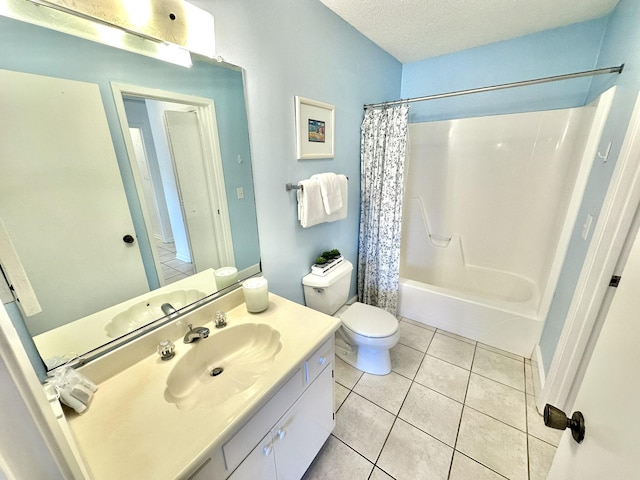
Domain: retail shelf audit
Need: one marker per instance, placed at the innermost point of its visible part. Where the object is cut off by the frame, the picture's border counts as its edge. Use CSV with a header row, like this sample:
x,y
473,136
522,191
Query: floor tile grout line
x,y
484,347
499,382
480,463
412,348
497,419
464,404
455,336
446,361
353,449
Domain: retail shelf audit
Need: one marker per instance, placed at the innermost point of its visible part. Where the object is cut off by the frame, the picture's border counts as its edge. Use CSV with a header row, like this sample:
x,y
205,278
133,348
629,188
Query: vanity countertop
x,y
131,431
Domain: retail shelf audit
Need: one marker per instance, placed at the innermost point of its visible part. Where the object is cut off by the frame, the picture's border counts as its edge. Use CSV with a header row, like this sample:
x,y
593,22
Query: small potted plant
x,y
326,262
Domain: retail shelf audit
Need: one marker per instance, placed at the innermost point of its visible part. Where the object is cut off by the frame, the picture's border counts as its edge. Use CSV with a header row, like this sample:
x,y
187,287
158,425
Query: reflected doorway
x,y
174,267
175,159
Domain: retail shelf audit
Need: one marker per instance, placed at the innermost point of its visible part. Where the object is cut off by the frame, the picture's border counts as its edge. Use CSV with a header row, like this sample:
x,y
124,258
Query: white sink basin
x,y
148,310
243,353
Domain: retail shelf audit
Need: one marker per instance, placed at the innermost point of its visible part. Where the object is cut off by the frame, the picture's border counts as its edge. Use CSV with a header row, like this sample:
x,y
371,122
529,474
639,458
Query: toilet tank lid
x,y
336,274
369,321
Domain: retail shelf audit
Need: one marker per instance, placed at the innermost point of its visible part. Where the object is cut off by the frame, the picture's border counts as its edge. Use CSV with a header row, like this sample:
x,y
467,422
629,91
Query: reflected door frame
x,y
205,109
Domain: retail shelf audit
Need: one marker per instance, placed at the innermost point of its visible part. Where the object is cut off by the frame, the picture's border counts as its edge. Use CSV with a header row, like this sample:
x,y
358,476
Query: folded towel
x,y
310,207
331,192
341,214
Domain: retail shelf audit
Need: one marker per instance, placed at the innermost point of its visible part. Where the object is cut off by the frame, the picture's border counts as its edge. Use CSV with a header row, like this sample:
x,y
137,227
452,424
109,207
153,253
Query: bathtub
x,y
495,308
489,208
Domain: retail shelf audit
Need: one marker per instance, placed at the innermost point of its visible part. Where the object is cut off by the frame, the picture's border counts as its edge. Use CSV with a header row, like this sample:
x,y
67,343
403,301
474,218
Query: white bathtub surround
x,y
383,151
490,204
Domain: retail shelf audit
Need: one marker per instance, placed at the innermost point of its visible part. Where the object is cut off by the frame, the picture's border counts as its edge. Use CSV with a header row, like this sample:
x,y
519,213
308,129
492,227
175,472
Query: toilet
x,y
366,334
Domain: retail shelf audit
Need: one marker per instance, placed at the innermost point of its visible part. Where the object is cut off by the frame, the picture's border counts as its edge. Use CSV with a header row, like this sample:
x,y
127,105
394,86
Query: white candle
x,y
256,294
226,276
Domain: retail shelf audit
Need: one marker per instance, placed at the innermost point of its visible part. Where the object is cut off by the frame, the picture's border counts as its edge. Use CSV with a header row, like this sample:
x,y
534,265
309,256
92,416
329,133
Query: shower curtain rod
x,y
567,76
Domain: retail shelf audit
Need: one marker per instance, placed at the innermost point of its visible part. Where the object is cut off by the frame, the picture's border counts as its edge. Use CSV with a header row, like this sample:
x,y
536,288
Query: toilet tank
x,y
327,294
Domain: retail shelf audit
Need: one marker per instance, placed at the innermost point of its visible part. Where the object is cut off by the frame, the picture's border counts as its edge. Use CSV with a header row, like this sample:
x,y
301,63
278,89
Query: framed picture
x,y
314,129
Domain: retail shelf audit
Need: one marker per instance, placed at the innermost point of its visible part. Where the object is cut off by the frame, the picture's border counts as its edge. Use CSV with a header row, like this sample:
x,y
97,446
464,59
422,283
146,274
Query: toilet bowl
x,y
367,332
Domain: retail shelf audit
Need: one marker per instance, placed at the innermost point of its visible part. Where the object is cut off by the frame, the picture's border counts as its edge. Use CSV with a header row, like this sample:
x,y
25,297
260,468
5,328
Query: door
x,y
609,395
148,191
198,210
62,200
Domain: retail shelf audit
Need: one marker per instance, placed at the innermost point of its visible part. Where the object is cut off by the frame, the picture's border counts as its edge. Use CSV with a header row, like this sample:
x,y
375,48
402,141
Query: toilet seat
x,y
369,321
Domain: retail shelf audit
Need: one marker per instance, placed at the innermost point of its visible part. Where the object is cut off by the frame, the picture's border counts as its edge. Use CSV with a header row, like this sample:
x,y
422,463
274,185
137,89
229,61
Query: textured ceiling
x,y
412,30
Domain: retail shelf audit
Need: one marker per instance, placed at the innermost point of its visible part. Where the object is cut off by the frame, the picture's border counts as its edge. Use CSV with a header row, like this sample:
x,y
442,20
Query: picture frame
x,y
314,129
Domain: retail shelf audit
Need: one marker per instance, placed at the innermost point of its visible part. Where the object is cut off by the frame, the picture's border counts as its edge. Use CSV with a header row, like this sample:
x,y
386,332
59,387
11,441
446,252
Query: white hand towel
x,y
331,193
310,206
341,214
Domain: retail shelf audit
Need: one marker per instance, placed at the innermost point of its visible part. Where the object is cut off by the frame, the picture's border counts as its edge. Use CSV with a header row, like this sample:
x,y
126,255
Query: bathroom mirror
x,y
164,123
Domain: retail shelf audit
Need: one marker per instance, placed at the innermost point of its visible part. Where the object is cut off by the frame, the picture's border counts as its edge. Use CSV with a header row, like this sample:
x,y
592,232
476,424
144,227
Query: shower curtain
x,y
383,147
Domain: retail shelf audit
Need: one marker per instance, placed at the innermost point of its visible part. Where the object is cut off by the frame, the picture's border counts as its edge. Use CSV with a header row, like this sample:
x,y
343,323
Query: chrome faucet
x,y
195,334
168,309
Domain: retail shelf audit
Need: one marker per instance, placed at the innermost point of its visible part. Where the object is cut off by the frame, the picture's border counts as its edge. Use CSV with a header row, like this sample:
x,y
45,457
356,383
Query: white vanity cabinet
x,y
284,436
287,450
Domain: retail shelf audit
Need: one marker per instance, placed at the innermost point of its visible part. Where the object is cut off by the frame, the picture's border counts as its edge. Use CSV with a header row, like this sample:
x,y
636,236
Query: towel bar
x,y
292,186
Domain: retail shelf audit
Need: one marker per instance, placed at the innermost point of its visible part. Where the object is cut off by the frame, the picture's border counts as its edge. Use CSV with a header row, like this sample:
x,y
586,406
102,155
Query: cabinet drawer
x,y
236,449
322,357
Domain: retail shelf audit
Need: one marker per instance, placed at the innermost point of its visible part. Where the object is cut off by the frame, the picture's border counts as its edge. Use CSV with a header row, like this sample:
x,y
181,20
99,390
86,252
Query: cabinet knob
x,y
281,433
322,360
267,449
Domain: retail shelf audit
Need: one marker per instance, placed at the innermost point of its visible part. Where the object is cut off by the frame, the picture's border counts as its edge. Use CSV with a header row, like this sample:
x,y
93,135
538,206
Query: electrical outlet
x,y
240,193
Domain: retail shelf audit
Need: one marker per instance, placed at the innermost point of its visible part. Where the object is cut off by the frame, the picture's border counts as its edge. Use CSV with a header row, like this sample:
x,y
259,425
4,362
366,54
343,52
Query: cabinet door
x,y
301,432
259,464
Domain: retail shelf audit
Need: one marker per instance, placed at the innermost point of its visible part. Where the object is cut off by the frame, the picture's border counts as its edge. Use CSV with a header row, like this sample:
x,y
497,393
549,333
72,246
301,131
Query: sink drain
x,y
216,371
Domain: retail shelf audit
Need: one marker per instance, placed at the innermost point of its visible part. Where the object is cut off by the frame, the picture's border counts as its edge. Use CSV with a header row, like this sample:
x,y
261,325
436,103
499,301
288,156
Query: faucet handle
x,y
166,349
220,319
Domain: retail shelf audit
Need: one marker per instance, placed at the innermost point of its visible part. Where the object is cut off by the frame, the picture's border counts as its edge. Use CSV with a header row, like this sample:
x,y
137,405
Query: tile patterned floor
x,y
172,268
451,409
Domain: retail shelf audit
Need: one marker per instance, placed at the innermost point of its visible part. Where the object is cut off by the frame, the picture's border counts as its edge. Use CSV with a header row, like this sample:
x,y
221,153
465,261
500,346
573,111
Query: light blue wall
x,y
621,44
299,47
553,52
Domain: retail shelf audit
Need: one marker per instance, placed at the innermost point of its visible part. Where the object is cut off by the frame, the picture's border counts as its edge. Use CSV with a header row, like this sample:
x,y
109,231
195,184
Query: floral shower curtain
x,y
383,148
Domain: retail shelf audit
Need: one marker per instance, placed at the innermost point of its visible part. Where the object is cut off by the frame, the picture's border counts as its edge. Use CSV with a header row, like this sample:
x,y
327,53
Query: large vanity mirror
x,y
126,185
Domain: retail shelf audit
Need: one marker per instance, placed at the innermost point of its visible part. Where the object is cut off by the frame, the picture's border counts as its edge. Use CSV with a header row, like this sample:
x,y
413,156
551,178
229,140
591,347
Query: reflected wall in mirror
x,y
125,175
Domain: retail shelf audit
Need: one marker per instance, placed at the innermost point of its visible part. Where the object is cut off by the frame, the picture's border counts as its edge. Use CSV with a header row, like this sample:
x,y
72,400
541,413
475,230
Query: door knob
x,y
128,239
556,418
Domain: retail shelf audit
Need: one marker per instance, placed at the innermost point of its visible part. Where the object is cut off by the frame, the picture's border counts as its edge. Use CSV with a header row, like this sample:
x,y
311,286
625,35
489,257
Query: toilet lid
x,y
369,321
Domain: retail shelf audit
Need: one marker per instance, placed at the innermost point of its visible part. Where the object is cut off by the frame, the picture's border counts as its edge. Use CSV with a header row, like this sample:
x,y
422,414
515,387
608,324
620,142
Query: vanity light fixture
x,y
164,29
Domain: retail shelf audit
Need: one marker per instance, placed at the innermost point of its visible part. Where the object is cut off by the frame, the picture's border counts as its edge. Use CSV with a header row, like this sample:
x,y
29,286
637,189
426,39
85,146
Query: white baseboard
x,y
537,367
